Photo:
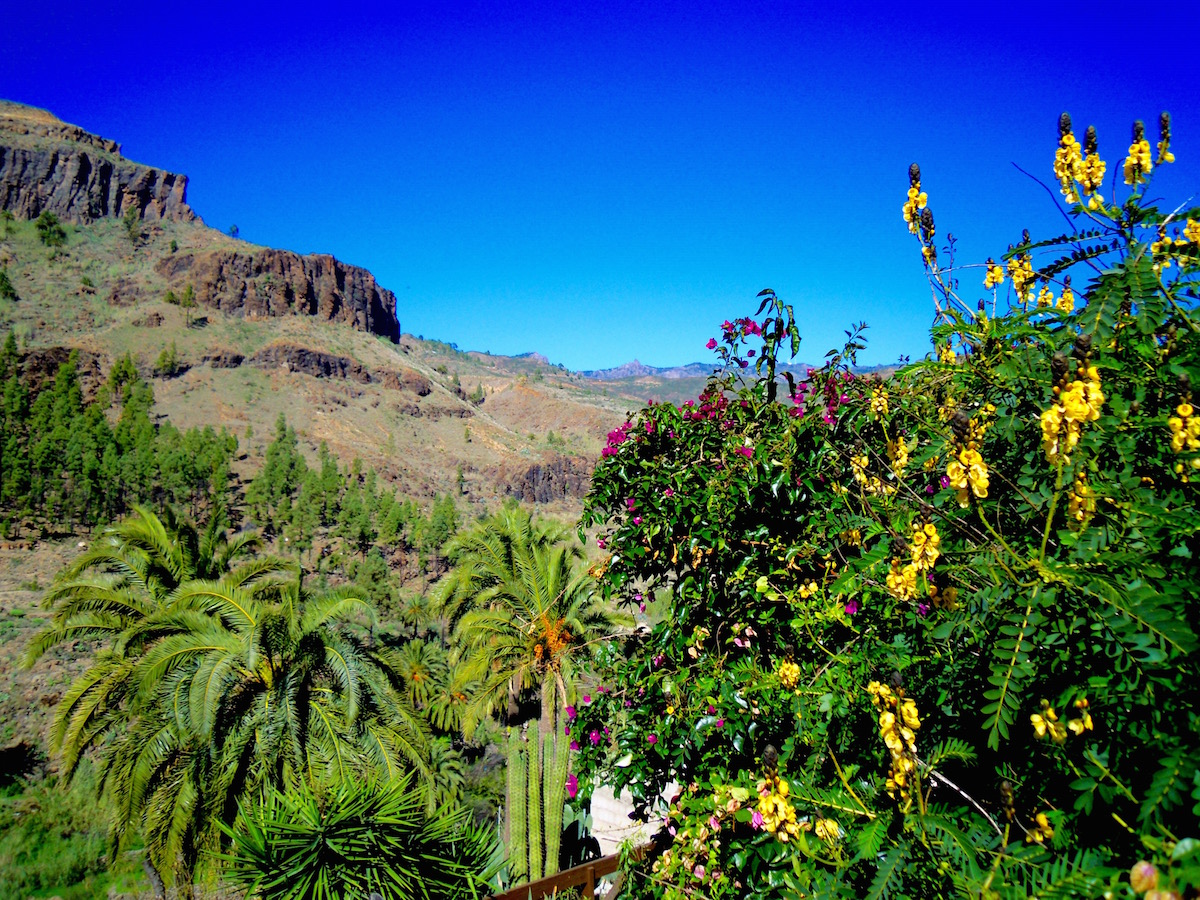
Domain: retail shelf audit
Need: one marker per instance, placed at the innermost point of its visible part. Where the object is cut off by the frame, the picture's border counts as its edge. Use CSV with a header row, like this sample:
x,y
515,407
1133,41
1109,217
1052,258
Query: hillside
x,y
273,332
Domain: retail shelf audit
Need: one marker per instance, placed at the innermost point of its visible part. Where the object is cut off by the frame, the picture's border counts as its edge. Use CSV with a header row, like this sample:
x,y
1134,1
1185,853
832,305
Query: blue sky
x,y
604,182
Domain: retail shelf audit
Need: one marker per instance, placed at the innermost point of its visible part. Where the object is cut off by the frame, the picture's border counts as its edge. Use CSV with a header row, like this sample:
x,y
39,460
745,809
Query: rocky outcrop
x,y
49,166
259,284
223,359
318,364
294,358
40,367
555,479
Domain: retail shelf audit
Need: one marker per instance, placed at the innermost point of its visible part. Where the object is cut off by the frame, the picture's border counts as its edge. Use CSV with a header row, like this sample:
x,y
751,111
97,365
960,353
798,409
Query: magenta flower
x,y
945,482
852,607
668,493
698,872
637,520
594,737
747,452
720,723
571,713
652,739
572,785
587,699
630,503
711,709
600,543
574,745
567,730
757,819
712,344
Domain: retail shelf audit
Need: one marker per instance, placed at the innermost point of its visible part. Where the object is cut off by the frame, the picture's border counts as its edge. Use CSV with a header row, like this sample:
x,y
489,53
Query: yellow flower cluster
x,y
946,353
917,201
968,474
1020,269
828,830
1091,177
902,580
1081,504
1066,303
1046,723
897,451
1041,830
853,537
778,814
879,402
789,674
898,723
1192,231
1063,422
1045,297
946,599
994,276
807,589
1068,162
1137,163
1185,435
872,483
925,544
1164,145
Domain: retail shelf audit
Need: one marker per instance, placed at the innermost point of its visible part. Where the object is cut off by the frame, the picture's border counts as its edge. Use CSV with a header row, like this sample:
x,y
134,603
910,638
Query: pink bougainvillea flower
x,y
571,713
594,737
747,452
587,698
637,520
668,493
567,730
720,723
652,739
712,344
630,503
572,785
600,543
574,745
711,709
945,482
852,607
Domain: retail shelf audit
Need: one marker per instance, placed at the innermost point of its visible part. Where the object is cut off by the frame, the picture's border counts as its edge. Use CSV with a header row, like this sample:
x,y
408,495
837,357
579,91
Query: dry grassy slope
x,y
102,290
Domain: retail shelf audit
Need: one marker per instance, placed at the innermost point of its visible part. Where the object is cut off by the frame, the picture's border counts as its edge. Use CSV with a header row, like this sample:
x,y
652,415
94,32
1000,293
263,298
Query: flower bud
x,y
1064,125
1139,131
1090,144
1164,125
1143,877
914,175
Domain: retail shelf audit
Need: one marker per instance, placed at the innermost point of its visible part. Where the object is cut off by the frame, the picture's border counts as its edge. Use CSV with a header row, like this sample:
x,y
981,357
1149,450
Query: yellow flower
x,y
1137,163
1046,724
1068,161
1192,231
1021,271
1045,297
879,402
1041,830
994,276
789,674
1066,303
925,544
902,581
828,830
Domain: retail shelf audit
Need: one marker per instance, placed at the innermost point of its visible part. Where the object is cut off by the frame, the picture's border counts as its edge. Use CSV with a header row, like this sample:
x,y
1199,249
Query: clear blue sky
x,y
600,182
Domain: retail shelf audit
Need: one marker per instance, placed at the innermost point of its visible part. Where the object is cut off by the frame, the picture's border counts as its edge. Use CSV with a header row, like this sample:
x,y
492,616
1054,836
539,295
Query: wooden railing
x,y
585,876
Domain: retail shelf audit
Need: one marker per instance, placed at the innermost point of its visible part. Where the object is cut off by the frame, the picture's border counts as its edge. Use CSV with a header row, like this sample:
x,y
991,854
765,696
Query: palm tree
x,y
218,680
243,692
524,614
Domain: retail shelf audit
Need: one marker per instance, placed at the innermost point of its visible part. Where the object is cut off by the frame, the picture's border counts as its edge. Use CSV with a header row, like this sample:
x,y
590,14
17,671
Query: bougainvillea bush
x,y
935,634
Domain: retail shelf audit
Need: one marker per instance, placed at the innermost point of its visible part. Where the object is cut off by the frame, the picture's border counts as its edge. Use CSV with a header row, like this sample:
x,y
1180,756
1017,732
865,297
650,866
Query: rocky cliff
x,y
49,166
262,283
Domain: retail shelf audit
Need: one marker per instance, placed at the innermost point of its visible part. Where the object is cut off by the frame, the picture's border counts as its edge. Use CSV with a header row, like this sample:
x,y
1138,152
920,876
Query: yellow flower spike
x,y
994,276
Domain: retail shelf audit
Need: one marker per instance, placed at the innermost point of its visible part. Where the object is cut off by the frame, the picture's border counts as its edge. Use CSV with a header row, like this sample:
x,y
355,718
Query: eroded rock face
x,y
41,366
555,479
260,284
48,165
310,362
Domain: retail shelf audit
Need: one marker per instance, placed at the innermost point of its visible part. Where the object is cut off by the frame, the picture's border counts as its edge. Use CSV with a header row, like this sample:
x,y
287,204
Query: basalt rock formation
x,y
262,283
49,166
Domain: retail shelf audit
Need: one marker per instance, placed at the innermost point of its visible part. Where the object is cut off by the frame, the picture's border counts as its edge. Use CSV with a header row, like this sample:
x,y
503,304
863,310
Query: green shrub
x,y
933,635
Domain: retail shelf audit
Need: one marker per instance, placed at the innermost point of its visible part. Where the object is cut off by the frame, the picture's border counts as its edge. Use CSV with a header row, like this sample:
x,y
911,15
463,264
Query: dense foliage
x,y
934,635
66,462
